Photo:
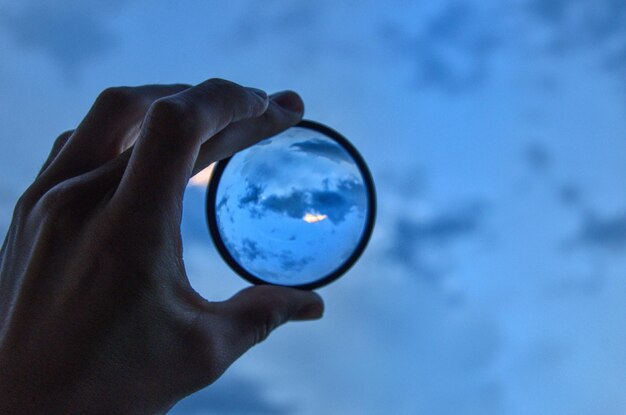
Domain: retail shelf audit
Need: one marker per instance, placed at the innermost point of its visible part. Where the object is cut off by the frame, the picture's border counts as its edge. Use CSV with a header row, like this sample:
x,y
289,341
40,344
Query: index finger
x,y
173,131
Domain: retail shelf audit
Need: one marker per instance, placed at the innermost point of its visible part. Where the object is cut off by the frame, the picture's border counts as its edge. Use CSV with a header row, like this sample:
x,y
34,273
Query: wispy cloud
x,y
232,395
538,157
604,232
69,32
574,25
577,23
420,244
323,148
454,51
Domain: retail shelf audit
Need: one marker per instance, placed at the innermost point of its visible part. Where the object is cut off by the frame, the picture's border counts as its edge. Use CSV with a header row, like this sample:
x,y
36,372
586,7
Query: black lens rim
x,y
211,219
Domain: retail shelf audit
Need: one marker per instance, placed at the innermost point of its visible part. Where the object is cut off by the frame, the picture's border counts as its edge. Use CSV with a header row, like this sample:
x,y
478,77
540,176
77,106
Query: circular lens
x,y
296,209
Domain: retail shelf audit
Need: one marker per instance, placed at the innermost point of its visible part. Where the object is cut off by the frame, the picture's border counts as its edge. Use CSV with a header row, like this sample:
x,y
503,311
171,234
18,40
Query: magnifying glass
x,y
296,209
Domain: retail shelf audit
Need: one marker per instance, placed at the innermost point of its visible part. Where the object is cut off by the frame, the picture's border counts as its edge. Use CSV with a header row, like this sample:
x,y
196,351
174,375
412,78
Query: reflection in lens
x,y
292,209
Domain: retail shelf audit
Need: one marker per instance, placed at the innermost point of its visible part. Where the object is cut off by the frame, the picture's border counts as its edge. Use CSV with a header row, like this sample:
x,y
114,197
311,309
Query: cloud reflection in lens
x,y
292,209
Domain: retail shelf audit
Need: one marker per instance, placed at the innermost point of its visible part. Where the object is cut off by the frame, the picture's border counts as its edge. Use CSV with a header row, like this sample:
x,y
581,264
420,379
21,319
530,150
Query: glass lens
x,y
292,209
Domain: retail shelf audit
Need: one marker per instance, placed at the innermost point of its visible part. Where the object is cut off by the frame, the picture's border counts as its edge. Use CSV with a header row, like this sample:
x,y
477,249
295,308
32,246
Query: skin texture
x,y
96,312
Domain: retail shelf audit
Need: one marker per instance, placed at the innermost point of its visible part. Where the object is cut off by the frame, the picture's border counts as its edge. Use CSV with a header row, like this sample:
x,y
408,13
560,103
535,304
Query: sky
x,y
496,134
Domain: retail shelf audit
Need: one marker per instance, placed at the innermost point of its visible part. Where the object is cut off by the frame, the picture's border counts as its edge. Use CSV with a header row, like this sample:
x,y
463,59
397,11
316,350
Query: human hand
x,y
96,312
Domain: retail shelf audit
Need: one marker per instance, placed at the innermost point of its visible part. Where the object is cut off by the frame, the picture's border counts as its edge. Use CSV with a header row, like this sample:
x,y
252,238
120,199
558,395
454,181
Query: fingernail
x,y
289,100
310,311
259,92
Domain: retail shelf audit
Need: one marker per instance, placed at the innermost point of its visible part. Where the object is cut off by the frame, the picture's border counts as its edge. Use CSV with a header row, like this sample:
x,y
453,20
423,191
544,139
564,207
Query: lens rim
x,y
211,217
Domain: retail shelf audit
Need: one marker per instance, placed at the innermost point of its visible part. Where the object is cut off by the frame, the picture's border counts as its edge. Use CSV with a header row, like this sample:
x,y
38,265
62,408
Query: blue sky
x,y
496,134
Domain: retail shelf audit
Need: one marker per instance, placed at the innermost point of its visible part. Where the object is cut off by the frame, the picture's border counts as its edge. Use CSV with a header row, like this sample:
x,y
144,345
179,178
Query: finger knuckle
x,y
51,200
228,100
225,92
62,139
118,97
56,200
271,319
222,83
172,115
171,109
266,316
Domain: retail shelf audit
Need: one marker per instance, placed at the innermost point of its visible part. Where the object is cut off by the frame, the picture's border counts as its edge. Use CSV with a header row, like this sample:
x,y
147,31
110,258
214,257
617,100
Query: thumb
x,y
253,313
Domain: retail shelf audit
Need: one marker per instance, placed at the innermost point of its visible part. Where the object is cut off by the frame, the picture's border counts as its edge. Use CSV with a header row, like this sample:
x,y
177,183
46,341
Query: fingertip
x,y
313,310
311,306
292,303
289,101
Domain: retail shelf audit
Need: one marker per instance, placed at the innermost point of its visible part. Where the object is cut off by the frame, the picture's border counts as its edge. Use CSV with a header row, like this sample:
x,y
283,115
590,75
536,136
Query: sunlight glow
x,y
202,178
313,217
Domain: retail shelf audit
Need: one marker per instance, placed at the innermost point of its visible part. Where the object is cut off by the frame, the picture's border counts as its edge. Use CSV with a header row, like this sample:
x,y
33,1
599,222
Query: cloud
x,y
616,62
294,205
552,11
252,194
263,170
250,251
323,148
288,261
570,195
71,33
595,29
265,19
538,157
575,24
223,203
335,204
454,51
418,244
594,20
231,395
607,233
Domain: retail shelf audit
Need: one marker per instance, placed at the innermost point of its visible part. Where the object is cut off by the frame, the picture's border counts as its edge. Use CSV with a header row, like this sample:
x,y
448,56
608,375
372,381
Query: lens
x,y
296,209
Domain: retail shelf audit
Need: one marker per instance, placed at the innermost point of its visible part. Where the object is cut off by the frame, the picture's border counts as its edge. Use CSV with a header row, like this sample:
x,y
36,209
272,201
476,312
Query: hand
x,y
96,312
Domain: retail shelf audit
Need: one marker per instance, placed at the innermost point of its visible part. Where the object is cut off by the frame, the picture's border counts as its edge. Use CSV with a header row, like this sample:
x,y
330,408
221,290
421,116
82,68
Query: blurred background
x,y
496,134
